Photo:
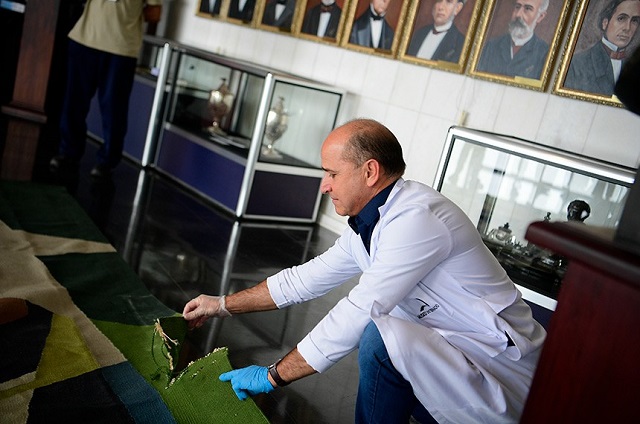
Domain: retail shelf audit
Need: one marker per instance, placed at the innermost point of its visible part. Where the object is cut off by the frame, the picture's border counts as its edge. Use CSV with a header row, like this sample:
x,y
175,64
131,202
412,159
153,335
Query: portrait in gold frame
x,y
538,33
357,32
429,40
278,15
587,68
312,25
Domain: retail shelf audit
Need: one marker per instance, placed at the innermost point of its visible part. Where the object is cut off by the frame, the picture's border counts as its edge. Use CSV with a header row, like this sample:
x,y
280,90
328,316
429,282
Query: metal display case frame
x,y
234,172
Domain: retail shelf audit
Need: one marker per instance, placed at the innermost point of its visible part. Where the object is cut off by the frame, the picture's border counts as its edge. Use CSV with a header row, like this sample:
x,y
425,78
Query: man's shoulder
x,y
538,43
499,40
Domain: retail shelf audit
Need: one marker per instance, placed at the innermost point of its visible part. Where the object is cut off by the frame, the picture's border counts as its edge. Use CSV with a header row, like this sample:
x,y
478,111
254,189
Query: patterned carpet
x,y
79,336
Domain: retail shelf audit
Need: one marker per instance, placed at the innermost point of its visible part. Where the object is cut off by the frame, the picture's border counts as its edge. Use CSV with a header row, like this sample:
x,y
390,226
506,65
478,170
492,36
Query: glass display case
x,y
145,103
246,137
503,184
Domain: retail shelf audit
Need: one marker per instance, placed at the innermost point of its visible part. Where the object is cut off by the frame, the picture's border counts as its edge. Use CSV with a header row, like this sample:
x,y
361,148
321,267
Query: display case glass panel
x,y
220,100
298,121
503,184
239,133
150,57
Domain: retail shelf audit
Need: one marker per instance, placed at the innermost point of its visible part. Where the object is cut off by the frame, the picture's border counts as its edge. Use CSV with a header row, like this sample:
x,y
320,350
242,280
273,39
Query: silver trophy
x,y
219,105
277,119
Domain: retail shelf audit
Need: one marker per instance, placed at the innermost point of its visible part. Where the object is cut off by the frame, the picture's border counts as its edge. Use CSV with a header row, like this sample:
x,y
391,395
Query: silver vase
x,y
219,105
277,123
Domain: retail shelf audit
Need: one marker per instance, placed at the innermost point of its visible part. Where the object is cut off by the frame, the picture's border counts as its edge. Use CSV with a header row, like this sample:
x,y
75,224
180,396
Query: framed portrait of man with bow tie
x,y
518,41
375,26
239,12
604,35
278,15
209,8
440,33
322,20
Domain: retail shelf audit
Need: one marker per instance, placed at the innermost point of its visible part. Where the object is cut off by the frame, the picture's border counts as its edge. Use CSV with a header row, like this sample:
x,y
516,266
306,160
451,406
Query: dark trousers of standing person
x,y
111,75
384,396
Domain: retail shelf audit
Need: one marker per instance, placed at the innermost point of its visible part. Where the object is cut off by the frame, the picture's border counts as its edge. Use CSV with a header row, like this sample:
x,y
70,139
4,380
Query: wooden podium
x,y
589,370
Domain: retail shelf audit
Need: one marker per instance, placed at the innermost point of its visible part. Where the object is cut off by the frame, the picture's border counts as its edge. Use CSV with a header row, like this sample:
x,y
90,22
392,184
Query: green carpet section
x,y
45,209
196,395
64,341
105,288
65,375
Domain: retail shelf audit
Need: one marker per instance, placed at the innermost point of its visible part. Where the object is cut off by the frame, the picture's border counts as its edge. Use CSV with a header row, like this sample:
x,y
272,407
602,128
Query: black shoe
x,y
62,163
101,171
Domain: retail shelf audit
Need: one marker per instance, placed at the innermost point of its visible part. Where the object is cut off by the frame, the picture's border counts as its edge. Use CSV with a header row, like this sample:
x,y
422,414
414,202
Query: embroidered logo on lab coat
x,y
426,309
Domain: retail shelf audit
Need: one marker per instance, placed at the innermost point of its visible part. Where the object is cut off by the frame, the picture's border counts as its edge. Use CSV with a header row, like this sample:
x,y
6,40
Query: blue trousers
x,y
384,396
91,70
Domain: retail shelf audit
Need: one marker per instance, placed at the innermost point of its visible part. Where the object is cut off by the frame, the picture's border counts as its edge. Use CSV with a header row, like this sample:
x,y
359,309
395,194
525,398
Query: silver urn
x,y
219,105
277,123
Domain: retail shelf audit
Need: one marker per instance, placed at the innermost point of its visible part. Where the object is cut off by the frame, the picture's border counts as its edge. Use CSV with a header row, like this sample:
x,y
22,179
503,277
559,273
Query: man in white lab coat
x,y
439,325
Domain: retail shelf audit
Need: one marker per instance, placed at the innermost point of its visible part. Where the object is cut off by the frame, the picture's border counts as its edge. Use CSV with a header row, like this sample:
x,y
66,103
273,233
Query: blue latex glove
x,y
248,381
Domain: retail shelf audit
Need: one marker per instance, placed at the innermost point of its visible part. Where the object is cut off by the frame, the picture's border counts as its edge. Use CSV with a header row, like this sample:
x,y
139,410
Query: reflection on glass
x,y
504,184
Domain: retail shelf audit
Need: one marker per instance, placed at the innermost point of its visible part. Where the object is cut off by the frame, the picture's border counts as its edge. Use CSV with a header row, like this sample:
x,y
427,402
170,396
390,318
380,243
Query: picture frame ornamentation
x,y
532,65
309,24
450,48
357,33
585,71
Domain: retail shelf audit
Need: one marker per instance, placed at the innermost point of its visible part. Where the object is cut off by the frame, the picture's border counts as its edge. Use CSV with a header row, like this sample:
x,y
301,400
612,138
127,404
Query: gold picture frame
x,y
308,25
492,55
450,49
357,29
234,11
209,9
586,72
241,13
271,19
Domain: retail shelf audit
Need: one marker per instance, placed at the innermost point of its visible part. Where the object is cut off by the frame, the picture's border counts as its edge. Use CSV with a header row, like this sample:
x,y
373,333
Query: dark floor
x,y
182,246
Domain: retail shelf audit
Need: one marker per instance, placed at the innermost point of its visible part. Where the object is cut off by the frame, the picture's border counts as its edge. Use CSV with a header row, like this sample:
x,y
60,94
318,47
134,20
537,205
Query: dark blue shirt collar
x,y
364,223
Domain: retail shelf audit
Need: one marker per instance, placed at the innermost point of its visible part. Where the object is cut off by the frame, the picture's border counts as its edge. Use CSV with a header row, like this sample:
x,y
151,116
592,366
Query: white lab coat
x,y
441,301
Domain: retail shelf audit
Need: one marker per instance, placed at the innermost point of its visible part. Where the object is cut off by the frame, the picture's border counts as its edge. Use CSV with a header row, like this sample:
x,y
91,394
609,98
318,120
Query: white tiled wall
x,y
417,103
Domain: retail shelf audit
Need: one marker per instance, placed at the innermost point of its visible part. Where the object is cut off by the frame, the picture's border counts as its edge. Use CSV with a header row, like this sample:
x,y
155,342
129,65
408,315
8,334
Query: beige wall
x,y
417,103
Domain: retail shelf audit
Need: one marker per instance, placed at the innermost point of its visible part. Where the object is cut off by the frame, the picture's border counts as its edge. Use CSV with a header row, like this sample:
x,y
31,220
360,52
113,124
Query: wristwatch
x,y
273,372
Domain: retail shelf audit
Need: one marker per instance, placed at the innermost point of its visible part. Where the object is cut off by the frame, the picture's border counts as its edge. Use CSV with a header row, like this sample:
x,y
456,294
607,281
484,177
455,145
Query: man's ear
x,y
541,17
372,172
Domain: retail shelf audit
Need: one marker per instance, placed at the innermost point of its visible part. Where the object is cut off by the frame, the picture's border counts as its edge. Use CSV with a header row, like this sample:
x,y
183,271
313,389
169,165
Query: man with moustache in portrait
x,y
519,52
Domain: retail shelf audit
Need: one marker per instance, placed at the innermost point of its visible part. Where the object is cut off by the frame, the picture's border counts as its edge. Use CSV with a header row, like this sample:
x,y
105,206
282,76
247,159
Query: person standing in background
x,y
103,48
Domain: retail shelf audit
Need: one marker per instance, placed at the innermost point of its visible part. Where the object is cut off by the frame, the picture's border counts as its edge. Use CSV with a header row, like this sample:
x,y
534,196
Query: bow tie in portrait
x,y
325,8
436,32
376,17
617,55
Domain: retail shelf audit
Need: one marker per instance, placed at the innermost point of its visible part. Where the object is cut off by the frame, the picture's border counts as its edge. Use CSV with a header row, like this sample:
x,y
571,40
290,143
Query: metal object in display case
x,y
504,183
277,120
220,103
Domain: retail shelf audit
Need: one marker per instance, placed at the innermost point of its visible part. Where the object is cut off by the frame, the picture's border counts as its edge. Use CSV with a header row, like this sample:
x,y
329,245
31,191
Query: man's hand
x,y
248,381
198,310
